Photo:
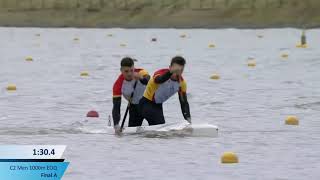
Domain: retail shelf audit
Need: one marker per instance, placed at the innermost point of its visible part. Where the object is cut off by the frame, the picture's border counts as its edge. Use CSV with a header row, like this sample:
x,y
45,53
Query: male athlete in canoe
x,y
131,80
164,84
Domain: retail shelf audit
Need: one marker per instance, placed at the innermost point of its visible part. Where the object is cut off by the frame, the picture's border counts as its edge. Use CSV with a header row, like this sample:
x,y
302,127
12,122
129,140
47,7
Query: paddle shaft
x,y
128,106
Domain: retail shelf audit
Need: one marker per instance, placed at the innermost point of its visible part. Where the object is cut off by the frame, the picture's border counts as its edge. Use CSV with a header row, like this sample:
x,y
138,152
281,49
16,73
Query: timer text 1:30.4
x,y
43,152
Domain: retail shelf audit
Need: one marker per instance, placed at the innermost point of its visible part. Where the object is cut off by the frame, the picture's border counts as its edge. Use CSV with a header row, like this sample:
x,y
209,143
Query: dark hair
x,y
178,60
127,62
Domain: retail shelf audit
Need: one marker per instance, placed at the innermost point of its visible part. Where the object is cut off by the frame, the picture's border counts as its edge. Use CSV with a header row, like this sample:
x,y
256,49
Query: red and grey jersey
x,y
125,88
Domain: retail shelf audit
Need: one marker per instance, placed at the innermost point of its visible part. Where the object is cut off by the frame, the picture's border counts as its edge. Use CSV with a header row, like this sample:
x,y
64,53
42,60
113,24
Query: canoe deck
x,y
163,130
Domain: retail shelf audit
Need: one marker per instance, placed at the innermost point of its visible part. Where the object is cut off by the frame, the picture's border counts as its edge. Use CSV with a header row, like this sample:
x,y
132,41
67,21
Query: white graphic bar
x,y
31,151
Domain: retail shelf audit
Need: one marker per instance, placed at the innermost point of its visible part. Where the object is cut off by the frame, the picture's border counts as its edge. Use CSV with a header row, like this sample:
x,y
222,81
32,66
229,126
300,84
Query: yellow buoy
x,y
229,157
11,87
302,46
123,45
215,76
211,46
84,73
29,58
285,55
252,63
292,120
183,35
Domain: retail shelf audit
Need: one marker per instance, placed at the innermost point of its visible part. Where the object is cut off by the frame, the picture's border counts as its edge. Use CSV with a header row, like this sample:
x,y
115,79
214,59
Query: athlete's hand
x,y
189,119
137,76
117,130
176,69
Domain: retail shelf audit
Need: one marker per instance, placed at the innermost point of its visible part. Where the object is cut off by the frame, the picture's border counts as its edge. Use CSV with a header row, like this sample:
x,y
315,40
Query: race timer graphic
x,y
32,162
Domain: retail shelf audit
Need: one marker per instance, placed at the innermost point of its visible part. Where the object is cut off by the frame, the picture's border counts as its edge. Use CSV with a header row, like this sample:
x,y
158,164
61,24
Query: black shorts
x,y
151,111
135,118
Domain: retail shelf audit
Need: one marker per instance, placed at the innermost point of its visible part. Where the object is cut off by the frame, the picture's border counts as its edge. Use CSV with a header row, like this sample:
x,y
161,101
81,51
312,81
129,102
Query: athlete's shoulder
x,y
119,79
117,86
161,72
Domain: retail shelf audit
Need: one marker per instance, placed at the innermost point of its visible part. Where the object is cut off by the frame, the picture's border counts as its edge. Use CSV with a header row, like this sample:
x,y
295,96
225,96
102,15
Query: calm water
x,y
248,104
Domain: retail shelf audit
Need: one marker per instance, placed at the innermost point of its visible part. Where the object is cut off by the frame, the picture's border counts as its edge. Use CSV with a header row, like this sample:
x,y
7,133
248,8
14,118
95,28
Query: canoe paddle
x,y
128,106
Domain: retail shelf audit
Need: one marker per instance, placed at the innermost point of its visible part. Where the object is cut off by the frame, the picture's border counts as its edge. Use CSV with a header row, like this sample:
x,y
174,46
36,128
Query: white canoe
x,y
163,130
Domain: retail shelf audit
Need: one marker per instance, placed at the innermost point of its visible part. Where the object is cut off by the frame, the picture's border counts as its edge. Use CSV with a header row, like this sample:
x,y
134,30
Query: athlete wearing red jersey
x,y
131,80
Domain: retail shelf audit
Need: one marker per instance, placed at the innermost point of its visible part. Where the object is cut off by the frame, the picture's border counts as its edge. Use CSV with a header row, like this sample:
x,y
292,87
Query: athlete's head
x,y
177,65
127,68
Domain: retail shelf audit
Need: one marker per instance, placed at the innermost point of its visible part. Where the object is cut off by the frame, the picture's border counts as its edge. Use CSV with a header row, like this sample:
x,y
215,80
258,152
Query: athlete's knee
x,y
156,121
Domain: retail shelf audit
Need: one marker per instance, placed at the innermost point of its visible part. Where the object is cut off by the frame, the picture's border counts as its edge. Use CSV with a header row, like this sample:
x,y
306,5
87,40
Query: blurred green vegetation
x,y
161,13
